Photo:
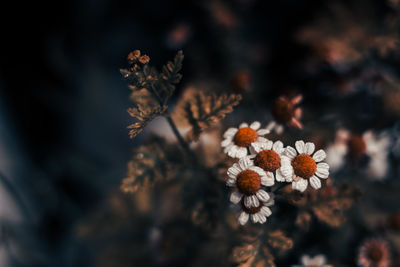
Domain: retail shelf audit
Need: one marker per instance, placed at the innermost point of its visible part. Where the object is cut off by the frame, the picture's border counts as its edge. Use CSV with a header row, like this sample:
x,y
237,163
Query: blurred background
x,y
64,145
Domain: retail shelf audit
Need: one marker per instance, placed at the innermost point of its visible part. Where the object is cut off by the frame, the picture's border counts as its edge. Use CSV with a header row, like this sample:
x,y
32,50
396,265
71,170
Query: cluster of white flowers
x,y
262,162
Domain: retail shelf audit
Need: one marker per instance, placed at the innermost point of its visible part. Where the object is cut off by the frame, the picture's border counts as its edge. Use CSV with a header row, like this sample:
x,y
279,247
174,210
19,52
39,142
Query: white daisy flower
x,y
257,214
302,167
237,140
268,157
317,261
248,179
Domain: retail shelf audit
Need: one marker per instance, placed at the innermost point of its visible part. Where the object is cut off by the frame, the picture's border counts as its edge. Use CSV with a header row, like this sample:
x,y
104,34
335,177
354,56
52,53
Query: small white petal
x,y
226,149
300,146
251,201
278,147
279,176
279,129
231,182
267,181
261,218
320,155
241,152
254,218
266,211
262,195
322,170
233,171
290,152
315,182
245,163
235,197
243,125
258,170
261,139
243,218
230,132
270,202
263,131
232,151
226,142
255,125
300,185
309,148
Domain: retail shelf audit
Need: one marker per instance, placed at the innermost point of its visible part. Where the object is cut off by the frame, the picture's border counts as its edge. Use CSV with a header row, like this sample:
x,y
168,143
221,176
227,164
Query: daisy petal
x,y
258,170
243,218
232,151
255,125
251,201
278,147
230,132
243,125
231,182
233,171
261,218
320,155
245,163
309,148
254,218
300,146
267,180
241,152
263,131
266,211
262,195
290,152
300,185
235,197
322,170
279,177
226,142
261,139
315,182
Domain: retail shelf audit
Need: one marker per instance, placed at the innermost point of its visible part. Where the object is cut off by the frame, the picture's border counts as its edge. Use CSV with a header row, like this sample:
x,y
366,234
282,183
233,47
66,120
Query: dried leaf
x,y
148,165
145,116
279,241
303,220
329,203
203,110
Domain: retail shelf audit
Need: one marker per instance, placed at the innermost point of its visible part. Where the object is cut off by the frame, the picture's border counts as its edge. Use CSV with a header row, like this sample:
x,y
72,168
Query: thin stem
x,y
181,141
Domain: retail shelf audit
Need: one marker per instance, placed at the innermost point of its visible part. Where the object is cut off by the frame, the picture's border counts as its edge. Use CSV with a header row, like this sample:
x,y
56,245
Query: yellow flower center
x,y
245,136
268,159
304,166
251,210
248,182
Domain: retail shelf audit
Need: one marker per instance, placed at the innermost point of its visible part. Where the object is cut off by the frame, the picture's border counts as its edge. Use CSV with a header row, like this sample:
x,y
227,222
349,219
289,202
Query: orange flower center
x,y
283,110
375,254
357,147
245,136
248,182
304,166
268,159
251,210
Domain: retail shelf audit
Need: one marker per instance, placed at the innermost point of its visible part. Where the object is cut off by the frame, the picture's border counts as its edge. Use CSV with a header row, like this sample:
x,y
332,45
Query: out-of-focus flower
x,y
248,180
285,112
355,147
257,214
317,261
237,141
301,167
374,253
222,14
268,157
241,82
178,36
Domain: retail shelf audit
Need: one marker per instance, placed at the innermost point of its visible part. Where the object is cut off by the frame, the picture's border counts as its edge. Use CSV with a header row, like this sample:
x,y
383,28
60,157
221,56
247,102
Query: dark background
x,y
63,102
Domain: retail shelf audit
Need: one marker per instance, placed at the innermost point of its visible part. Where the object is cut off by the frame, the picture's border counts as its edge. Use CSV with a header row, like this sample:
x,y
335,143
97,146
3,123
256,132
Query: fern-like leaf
x,y
144,117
